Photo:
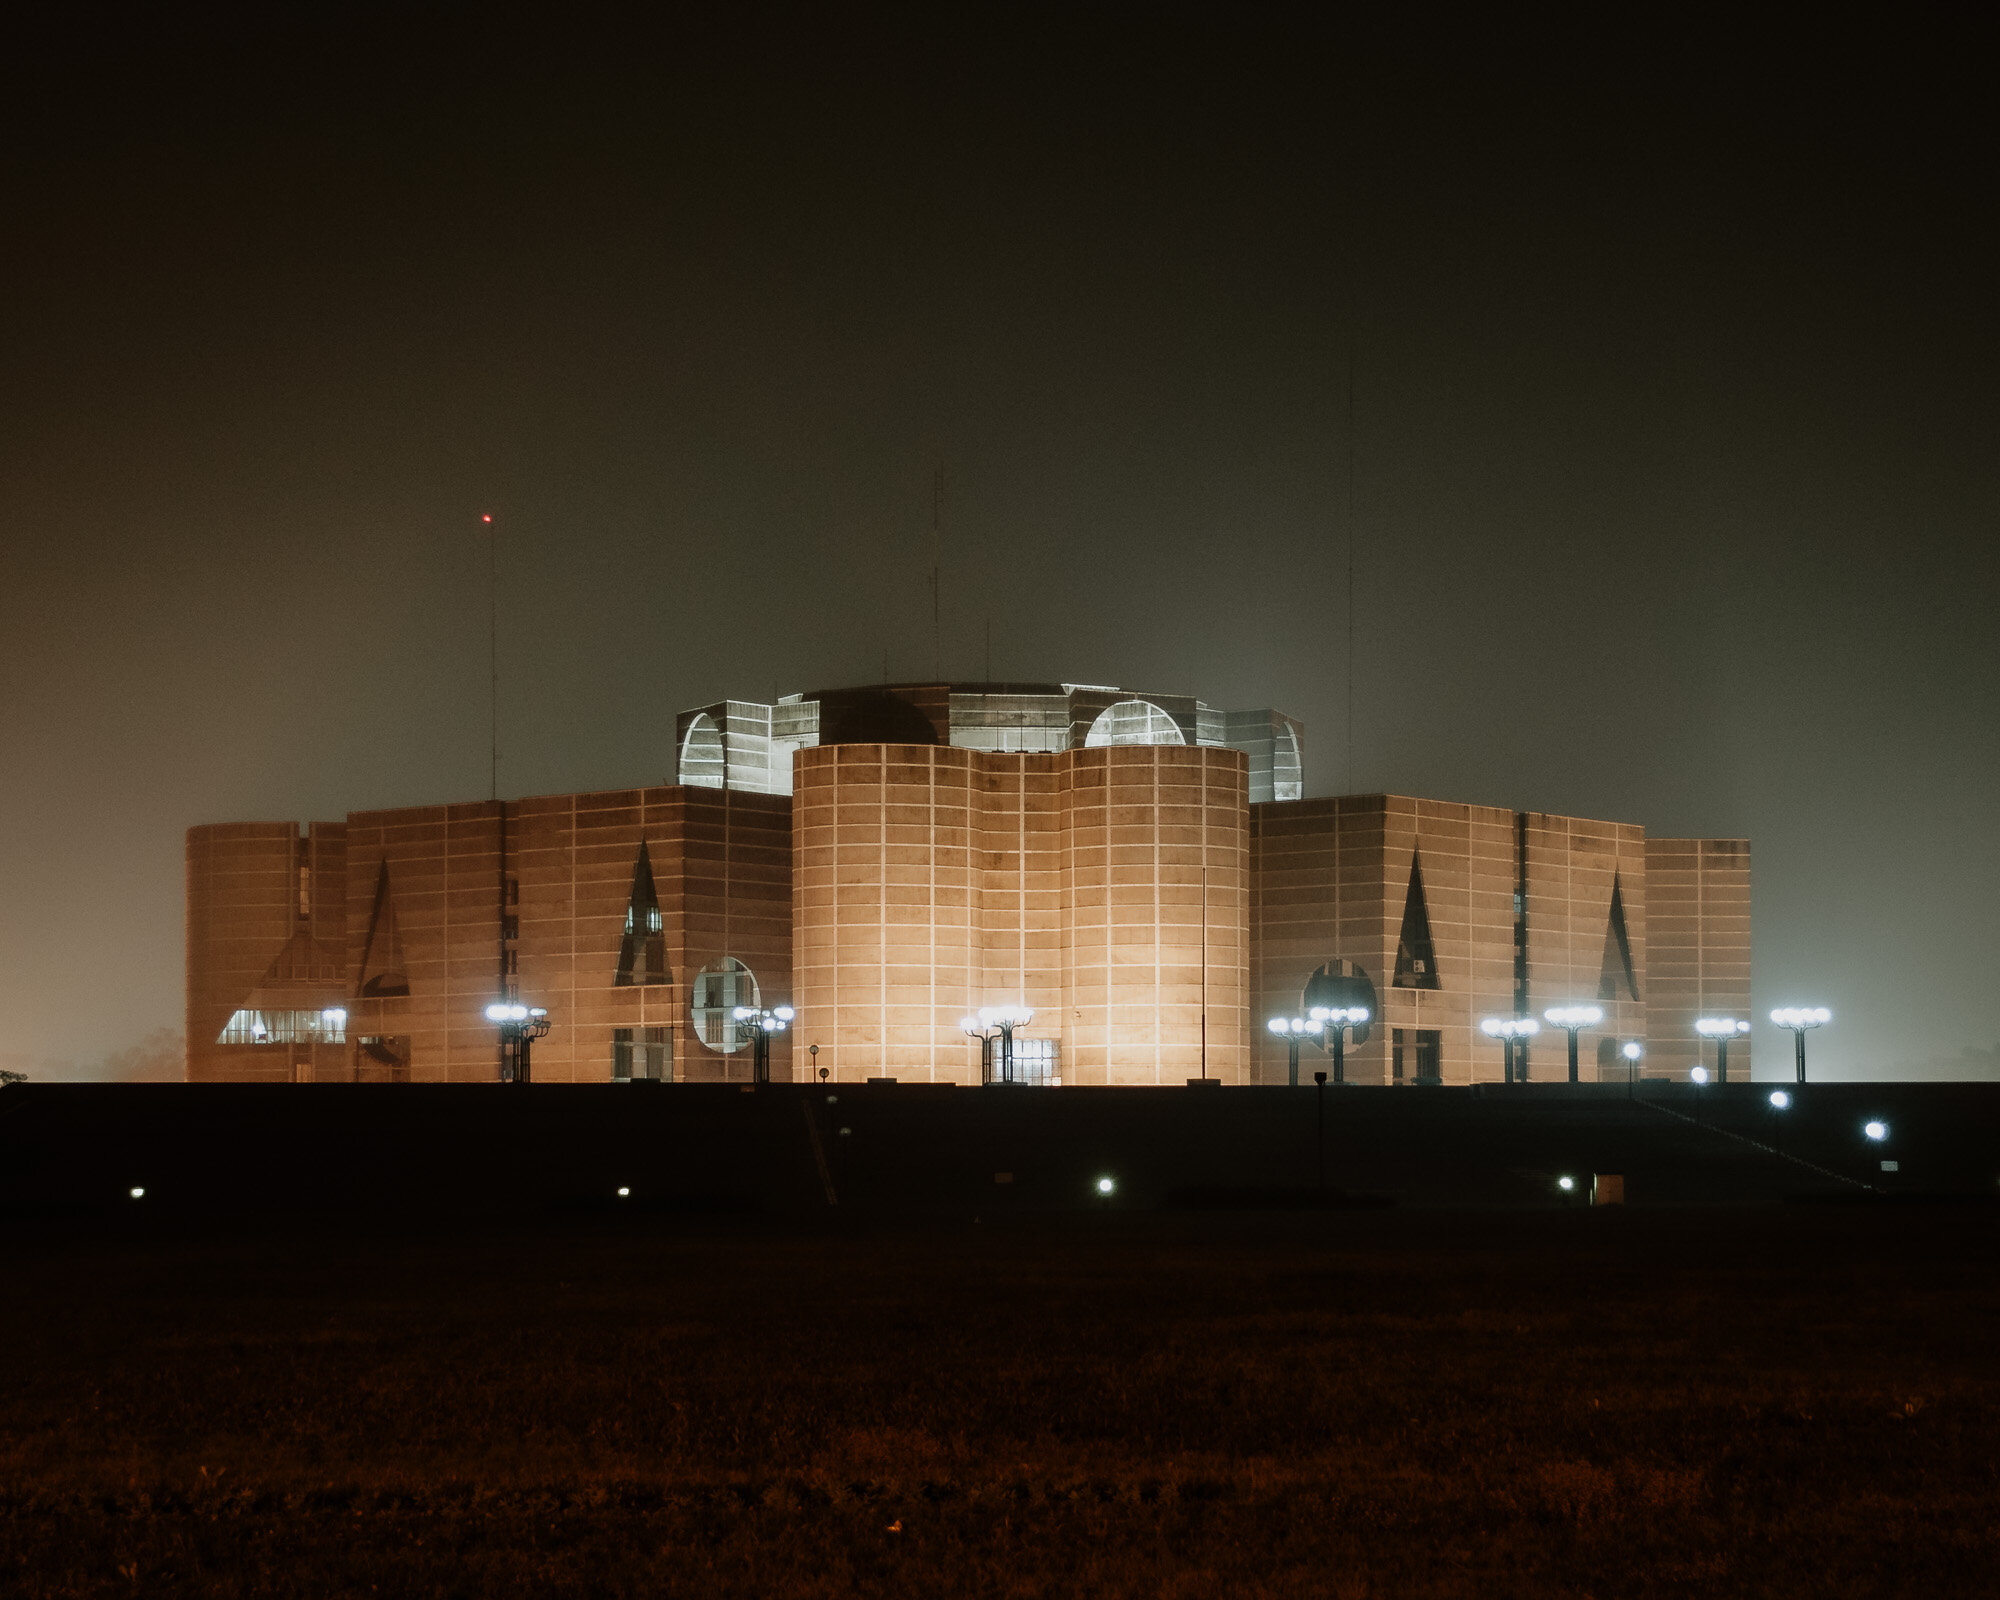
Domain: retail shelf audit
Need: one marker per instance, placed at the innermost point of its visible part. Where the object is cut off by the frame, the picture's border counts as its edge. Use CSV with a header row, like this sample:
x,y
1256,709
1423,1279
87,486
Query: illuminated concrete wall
x,y
445,877
1101,857
890,942
1333,880
1573,864
426,914
719,868
931,881
1157,915
256,893
1699,926
720,865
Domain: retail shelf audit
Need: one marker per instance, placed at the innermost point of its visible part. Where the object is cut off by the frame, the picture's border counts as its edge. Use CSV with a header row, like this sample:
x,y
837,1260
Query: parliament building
x,y
1139,871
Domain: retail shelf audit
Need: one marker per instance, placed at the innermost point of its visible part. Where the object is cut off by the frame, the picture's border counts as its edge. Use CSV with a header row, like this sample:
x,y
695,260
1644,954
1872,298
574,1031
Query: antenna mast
x,y
1350,550
493,649
937,631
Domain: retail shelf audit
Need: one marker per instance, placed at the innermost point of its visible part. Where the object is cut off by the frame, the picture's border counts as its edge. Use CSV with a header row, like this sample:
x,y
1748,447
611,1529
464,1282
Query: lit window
x,y
642,957
1035,1063
645,1053
325,1026
1285,765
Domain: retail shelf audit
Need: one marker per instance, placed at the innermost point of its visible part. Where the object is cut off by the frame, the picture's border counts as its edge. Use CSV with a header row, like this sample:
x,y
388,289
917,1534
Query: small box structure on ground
x,y
1607,1189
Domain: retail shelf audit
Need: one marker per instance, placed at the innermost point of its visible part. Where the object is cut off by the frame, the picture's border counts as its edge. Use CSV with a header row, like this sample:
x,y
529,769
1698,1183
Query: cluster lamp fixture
x,y
1336,1020
519,1027
761,1025
1513,1034
997,1022
1293,1030
1721,1030
1325,1026
1876,1131
1573,1020
1801,1020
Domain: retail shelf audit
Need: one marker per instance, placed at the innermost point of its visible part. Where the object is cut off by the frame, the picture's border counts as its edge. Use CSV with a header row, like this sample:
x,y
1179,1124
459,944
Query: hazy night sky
x,y
1675,368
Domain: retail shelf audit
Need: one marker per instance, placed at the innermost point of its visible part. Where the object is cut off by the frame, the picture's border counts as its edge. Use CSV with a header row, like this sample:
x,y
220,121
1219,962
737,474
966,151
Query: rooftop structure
x,y
748,746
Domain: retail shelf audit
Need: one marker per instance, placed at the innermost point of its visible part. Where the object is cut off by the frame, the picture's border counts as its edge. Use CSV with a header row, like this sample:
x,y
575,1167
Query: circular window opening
x,y
1133,722
701,764
718,990
1338,984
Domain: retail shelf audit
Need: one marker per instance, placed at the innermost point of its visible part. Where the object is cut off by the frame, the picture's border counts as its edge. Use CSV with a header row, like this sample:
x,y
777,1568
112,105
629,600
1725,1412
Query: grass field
x,y
1750,1401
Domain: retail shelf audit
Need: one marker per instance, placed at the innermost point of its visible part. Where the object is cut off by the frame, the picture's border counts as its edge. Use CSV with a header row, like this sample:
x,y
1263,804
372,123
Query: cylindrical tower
x,y
1156,915
1104,887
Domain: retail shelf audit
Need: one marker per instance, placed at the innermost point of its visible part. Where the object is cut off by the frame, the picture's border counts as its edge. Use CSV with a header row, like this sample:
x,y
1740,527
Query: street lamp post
x,y
1293,1030
762,1025
519,1027
1573,1020
1800,1020
1632,1051
1513,1034
1721,1030
1336,1020
1319,1125
998,1022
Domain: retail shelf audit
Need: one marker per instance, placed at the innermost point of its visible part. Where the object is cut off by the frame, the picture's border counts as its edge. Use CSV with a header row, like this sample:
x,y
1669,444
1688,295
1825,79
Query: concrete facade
x,y
433,912
1347,878
1699,928
266,936
1136,869
741,744
1103,887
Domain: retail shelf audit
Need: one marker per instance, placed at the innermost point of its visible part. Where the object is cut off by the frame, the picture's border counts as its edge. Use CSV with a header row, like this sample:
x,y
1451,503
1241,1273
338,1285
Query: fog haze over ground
x,y
1673,372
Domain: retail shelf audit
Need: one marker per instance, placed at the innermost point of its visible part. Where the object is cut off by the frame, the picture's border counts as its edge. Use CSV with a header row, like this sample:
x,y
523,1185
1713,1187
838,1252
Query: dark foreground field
x,y
1781,1399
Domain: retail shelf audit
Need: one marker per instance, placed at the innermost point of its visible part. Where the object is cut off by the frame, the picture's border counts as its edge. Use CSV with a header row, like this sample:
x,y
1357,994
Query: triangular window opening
x,y
1617,951
642,957
383,975
1416,957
